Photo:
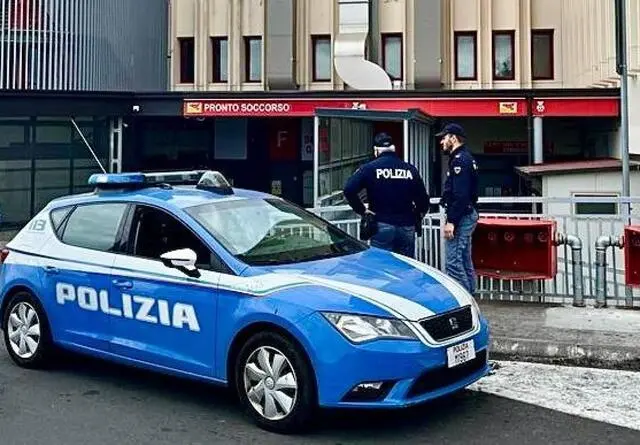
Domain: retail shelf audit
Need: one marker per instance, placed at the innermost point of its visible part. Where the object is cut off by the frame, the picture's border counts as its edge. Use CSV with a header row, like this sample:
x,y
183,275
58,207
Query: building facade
x,y
54,56
83,45
248,45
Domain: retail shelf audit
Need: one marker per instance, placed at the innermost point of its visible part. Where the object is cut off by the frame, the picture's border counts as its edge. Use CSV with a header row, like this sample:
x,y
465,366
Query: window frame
x,y
612,195
456,56
217,264
64,224
182,67
215,54
314,41
383,39
512,35
247,58
550,33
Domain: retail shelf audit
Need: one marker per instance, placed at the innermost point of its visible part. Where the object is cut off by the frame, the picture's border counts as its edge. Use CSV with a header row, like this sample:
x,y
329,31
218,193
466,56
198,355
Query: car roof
x,y
178,197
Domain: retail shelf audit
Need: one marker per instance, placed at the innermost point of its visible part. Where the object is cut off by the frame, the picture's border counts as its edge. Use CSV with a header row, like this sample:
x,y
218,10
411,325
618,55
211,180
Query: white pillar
x,y
115,145
538,153
408,157
316,146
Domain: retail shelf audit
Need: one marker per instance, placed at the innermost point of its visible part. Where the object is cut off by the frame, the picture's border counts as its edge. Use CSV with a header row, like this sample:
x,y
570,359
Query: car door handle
x,y
51,269
123,284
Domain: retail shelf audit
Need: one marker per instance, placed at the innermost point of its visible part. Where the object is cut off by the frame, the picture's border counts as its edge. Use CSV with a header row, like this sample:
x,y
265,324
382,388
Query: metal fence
x,y
589,241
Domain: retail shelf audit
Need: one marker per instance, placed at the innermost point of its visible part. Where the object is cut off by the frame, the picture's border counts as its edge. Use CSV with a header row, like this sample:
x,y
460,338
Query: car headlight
x,y
475,305
360,328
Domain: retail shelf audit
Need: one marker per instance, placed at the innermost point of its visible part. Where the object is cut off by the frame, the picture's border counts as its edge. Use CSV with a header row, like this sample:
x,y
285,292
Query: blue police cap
x,y
453,129
382,140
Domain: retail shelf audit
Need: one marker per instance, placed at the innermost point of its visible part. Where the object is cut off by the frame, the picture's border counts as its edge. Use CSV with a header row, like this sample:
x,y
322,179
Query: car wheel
x,y
26,333
275,383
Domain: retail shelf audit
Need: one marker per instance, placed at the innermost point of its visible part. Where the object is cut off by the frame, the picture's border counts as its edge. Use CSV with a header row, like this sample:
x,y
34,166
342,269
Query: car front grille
x,y
450,324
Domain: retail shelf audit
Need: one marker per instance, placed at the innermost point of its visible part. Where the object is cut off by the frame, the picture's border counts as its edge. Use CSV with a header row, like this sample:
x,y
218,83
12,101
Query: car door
x,y
168,316
76,269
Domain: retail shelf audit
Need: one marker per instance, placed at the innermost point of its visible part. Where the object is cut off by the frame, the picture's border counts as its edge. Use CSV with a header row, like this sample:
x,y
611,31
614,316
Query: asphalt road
x,y
84,401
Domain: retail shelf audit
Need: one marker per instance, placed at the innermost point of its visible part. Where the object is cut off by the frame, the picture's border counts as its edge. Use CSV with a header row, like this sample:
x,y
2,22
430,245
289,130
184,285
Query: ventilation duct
x,y
349,48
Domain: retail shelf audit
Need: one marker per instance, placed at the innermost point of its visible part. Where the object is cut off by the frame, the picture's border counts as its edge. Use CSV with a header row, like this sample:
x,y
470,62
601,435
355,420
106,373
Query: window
x,y
273,232
392,55
542,54
219,46
155,232
187,59
321,58
94,226
503,55
596,208
465,55
58,217
253,59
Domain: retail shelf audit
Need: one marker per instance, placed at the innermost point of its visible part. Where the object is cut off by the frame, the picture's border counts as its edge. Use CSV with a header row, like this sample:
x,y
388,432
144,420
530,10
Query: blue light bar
x,y
215,182
116,179
204,179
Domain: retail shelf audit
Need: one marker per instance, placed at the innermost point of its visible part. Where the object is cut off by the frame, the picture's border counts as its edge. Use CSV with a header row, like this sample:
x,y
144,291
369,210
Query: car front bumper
x,y
388,373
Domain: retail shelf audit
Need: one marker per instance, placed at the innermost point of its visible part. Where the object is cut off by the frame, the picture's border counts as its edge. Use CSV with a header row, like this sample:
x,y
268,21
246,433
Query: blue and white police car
x,y
182,274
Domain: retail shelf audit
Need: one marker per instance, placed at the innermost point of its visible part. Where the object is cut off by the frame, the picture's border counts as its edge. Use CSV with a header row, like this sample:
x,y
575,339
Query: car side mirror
x,y
182,259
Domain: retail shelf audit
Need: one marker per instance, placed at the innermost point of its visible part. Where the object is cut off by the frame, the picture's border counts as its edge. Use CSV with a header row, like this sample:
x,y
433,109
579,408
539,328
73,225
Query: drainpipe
x,y
602,244
576,261
349,49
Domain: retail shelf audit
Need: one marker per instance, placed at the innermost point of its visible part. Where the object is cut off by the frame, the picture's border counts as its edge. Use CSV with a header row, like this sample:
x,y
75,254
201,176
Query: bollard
x,y
576,260
602,244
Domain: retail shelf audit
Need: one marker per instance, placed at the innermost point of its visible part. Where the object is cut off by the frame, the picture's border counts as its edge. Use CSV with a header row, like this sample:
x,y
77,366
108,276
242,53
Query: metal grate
x,y
450,324
442,377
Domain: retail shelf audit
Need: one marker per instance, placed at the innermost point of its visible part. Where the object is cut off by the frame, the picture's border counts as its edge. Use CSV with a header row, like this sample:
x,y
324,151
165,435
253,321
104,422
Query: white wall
x,y
634,115
565,185
588,229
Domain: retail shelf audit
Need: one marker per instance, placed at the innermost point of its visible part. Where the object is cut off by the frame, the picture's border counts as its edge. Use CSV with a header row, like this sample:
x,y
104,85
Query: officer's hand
x,y
448,230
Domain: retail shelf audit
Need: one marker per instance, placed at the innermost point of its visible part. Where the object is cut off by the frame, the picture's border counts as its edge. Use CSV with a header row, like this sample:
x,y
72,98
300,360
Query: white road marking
x,y
600,394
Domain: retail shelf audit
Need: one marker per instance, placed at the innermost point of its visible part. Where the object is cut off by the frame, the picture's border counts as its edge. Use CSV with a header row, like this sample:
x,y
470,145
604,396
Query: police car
x,y
182,274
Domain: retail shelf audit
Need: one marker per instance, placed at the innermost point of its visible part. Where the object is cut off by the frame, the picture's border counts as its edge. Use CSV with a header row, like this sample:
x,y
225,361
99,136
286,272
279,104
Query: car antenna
x,y
73,121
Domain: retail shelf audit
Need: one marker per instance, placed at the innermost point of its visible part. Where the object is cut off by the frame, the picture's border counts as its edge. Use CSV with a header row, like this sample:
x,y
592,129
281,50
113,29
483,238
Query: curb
x,y
571,354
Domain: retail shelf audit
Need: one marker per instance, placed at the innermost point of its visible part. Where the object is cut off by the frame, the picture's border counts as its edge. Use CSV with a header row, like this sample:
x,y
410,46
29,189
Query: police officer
x,y
459,198
396,195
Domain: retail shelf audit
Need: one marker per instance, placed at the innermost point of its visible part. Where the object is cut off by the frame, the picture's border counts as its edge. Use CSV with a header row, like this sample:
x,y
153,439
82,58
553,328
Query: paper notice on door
x,y
276,187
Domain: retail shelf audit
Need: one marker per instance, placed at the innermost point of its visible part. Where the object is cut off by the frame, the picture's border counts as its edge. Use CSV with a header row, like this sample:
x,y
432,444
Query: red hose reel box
x,y
515,248
632,255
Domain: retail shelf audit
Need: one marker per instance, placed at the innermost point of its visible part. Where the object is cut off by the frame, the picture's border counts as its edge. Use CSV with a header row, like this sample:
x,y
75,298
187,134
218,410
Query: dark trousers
x,y
398,239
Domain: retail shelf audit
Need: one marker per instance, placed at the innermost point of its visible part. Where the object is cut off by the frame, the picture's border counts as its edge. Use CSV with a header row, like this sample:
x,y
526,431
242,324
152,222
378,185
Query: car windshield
x,y
272,231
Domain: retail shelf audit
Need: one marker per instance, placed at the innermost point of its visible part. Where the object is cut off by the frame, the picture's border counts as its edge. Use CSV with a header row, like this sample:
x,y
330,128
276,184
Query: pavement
x,y
82,401
551,333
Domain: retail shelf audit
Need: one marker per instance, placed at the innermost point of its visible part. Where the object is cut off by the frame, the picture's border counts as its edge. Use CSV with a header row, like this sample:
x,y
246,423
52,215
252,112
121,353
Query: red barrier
x,y
515,249
632,255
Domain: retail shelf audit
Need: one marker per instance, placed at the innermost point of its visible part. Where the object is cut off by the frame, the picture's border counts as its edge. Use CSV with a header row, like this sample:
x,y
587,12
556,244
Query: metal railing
x,y
589,242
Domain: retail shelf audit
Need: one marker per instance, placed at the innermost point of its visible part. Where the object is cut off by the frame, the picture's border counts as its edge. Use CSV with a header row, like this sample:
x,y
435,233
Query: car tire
x,y
285,400
27,337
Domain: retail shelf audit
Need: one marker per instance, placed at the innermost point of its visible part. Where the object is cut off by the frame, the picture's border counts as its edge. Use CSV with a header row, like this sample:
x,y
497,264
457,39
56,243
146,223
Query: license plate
x,y
460,353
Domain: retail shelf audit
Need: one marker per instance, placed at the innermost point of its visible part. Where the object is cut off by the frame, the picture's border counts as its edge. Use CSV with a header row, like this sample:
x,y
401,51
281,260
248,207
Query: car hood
x,y
402,286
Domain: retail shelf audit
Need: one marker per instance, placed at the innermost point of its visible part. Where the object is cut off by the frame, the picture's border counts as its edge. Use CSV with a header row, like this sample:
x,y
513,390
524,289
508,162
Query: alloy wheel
x,y
270,383
23,329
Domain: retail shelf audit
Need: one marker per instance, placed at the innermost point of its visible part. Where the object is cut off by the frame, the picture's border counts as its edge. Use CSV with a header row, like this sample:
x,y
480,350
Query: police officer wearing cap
x,y
459,198
396,194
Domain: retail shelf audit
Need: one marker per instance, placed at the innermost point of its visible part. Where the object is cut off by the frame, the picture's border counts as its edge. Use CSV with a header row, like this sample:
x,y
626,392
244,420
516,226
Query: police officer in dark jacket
x,y
396,195
459,198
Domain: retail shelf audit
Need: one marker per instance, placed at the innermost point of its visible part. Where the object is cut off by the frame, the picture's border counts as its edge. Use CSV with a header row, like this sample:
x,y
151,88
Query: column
x,y
538,153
